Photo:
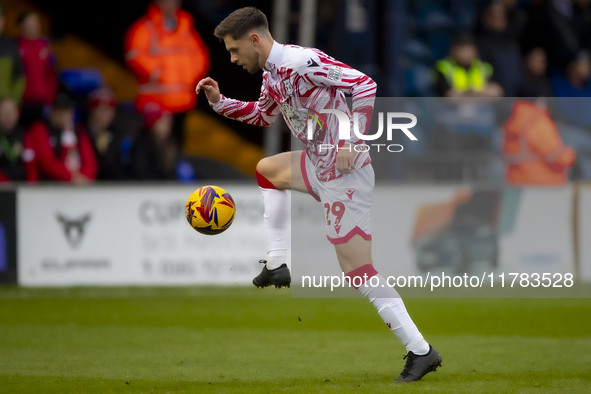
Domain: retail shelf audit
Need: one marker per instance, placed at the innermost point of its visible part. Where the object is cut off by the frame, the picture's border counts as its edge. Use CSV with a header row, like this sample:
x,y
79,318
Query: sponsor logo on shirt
x,y
335,73
288,87
296,120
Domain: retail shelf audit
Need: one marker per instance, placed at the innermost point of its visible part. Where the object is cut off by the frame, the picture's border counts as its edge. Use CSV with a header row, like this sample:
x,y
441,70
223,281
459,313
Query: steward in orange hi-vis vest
x,y
167,63
534,152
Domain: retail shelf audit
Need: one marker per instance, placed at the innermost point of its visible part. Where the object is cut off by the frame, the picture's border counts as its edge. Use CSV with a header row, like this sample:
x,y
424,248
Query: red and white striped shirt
x,y
299,82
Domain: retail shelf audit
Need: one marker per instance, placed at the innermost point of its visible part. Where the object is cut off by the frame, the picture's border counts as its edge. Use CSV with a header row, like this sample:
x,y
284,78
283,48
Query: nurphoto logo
x,y
345,124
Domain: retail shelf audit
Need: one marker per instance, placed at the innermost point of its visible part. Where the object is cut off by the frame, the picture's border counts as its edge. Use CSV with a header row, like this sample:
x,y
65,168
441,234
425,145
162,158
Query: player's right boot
x,y
279,276
418,366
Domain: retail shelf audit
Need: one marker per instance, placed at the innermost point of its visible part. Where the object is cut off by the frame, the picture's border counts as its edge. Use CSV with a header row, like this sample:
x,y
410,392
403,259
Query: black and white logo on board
x,y
74,228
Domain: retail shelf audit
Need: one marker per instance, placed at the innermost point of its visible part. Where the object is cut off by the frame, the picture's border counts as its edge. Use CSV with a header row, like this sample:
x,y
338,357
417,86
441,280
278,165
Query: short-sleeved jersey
x,y
299,83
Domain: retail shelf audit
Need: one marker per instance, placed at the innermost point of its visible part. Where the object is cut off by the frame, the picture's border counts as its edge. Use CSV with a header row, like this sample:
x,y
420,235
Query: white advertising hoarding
x,y
452,229
139,235
132,235
538,231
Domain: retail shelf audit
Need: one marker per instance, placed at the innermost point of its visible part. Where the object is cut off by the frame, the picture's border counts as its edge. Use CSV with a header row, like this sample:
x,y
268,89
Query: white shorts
x,y
346,201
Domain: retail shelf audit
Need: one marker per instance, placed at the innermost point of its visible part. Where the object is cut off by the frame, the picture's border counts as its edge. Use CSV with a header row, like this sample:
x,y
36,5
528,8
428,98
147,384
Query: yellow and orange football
x,y
210,210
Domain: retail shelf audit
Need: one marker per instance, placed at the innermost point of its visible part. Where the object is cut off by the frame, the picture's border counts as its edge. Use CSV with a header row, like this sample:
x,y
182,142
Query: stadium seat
x,y
81,81
431,16
418,51
419,80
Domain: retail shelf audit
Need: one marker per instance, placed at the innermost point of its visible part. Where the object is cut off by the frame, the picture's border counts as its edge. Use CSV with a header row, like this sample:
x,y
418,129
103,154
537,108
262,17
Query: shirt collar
x,y
274,56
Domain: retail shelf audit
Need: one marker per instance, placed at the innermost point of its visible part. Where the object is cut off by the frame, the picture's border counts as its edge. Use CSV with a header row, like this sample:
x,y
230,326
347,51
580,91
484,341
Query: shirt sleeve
x,y
51,79
323,70
137,51
544,139
259,113
53,167
4,178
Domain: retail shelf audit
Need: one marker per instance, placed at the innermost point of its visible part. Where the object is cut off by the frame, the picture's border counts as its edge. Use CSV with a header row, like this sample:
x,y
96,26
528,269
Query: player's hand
x,y
211,89
345,159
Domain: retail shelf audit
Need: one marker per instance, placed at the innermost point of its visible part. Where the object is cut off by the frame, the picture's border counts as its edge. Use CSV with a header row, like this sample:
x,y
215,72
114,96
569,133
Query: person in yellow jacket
x,y
168,57
534,151
463,74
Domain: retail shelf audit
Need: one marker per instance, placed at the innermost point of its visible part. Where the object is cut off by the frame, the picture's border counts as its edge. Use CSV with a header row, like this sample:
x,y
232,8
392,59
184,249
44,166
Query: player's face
x,y
243,53
31,26
62,118
163,127
102,116
464,54
536,61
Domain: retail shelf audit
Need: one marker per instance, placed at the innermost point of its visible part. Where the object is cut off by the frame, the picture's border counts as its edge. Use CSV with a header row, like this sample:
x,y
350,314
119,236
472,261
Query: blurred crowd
x,y
451,48
48,133
536,52
526,48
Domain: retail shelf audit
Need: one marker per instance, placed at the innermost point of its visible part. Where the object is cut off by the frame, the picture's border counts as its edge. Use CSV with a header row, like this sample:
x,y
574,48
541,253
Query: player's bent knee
x,y
267,168
267,165
274,171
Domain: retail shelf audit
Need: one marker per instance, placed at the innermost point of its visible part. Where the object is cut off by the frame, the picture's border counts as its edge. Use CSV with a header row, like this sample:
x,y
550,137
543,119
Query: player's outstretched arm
x,y
259,113
211,89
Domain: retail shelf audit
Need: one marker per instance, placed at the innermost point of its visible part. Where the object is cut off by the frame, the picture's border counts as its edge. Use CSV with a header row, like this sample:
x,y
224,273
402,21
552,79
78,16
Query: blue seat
x,y
81,81
431,15
418,80
417,51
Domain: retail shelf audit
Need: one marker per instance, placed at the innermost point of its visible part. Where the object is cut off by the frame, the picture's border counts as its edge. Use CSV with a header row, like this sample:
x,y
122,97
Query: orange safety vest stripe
x,y
532,144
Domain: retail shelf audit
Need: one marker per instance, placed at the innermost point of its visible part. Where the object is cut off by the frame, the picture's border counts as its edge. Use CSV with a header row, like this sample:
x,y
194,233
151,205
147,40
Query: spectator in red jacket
x,y
12,167
60,151
41,78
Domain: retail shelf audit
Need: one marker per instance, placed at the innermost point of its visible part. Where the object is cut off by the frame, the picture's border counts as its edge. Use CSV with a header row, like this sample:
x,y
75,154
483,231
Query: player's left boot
x,y
418,366
279,276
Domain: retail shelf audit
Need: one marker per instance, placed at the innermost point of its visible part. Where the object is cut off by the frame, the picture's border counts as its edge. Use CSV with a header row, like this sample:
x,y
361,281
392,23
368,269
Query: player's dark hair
x,y
240,22
23,16
463,38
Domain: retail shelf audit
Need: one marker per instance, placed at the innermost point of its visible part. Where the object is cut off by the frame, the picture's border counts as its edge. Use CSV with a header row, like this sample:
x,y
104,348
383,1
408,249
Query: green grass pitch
x,y
238,339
